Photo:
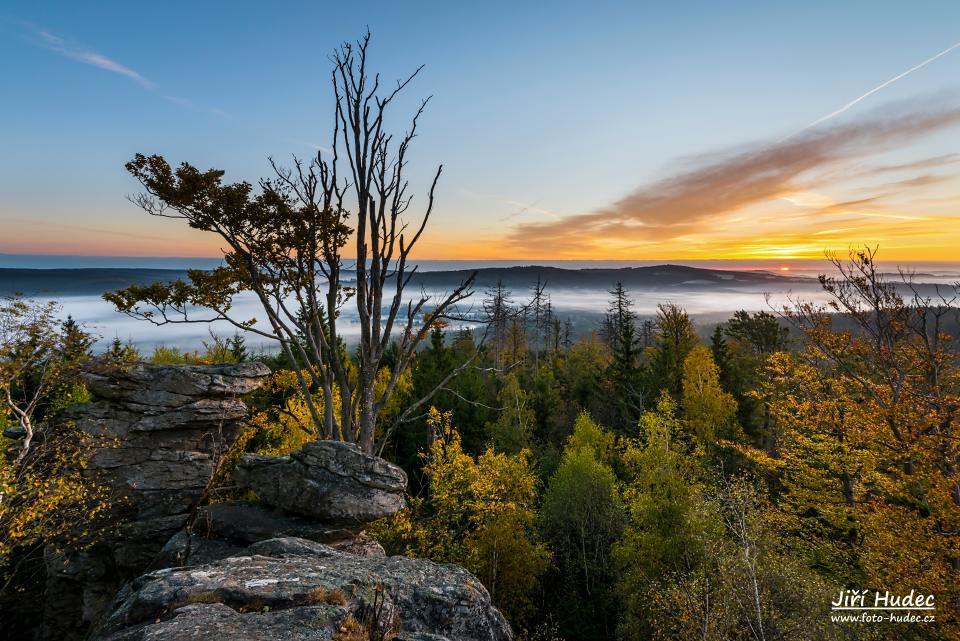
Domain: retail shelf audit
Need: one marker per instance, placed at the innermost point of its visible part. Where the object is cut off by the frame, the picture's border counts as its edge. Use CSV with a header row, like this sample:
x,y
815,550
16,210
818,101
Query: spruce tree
x,y
621,329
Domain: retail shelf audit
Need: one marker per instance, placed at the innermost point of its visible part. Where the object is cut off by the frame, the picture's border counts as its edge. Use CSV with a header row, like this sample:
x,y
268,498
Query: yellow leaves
x,y
707,408
48,496
757,456
284,380
868,453
479,513
588,435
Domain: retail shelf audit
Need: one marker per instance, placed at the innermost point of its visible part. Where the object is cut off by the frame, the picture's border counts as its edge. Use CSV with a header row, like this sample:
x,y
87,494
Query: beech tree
x,y
867,417
285,243
707,408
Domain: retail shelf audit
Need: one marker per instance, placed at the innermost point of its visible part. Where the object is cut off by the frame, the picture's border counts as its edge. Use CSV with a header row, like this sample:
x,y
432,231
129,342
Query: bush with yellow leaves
x,y
479,513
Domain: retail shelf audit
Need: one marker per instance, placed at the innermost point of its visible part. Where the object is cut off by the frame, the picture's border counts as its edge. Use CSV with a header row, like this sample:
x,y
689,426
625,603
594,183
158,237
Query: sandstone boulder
x,y
298,589
331,481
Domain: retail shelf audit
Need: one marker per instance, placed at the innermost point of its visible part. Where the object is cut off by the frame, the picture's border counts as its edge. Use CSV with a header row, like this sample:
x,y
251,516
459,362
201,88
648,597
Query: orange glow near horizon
x,y
803,226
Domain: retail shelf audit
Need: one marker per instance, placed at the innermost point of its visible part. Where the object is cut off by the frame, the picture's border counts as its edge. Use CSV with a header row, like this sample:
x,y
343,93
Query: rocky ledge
x,y
168,427
287,588
292,565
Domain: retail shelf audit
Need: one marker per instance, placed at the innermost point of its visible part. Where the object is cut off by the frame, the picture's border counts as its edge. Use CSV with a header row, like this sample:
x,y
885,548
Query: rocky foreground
x,y
293,565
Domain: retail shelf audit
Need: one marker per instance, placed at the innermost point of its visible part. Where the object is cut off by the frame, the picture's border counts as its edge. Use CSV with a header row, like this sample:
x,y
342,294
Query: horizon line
x,y
527,261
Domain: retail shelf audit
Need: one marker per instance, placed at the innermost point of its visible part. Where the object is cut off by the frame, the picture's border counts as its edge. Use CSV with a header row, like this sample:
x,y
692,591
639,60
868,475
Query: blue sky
x,y
544,114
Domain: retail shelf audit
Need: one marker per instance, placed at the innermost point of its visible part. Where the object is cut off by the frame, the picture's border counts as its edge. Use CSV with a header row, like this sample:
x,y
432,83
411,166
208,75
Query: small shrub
x,y
351,630
327,596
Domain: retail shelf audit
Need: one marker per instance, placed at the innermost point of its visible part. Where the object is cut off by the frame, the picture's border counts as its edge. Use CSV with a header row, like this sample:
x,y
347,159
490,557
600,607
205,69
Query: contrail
x,y
853,102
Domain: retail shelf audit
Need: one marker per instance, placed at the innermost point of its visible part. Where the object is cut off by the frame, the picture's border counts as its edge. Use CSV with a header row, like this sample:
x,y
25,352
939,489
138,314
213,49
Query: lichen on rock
x,y
417,597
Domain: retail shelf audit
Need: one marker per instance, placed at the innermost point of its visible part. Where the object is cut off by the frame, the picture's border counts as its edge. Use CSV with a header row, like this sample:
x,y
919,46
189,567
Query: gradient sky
x,y
567,130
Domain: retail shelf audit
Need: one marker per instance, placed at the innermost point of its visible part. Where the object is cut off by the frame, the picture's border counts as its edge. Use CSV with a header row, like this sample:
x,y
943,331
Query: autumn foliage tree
x,y
708,409
477,512
581,518
45,496
867,417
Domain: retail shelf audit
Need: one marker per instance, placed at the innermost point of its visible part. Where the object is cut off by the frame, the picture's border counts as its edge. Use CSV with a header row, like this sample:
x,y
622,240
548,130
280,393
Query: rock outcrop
x,y
286,589
294,565
331,481
170,425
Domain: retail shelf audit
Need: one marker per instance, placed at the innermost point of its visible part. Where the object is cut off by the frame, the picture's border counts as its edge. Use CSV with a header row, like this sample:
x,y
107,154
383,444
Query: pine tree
x,y
721,355
621,330
538,312
75,342
238,348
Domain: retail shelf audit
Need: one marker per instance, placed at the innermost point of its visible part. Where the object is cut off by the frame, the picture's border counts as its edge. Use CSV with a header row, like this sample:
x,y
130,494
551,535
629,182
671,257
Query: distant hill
x,y
645,278
80,282
96,281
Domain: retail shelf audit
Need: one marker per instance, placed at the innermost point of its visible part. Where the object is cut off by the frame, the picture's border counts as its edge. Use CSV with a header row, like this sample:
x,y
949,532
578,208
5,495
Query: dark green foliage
x,y
762,331
238,348
620,334
581,518
471,396
676,336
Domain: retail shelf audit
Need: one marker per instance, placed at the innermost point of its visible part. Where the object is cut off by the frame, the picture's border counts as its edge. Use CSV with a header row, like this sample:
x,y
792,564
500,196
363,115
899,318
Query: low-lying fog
x,y
584,307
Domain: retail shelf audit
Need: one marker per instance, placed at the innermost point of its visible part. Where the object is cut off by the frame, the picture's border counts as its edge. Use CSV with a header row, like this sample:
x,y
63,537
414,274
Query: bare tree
x,y
286,246
498,310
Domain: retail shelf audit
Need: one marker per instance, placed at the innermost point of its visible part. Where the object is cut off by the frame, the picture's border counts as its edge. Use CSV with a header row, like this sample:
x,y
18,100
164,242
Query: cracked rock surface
x,y
290,588
293,566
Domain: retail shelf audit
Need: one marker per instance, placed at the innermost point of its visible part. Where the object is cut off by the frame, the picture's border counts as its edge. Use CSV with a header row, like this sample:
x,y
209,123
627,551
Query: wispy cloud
x,y
60,46
934,162
311,145
177,100
702,195
73,51
523,208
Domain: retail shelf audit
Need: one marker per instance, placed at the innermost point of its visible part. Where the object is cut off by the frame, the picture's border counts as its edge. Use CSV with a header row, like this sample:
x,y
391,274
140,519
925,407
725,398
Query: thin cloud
x,y
883,85
700,196
924,180
523,208
177,100
311,145
60,46
927,163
